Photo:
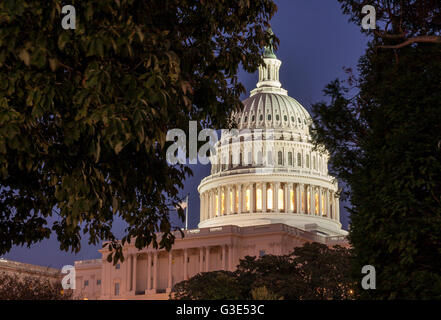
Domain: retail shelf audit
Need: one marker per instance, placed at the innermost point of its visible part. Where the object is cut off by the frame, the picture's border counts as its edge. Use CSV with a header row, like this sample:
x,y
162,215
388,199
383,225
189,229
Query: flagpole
x,y
186,213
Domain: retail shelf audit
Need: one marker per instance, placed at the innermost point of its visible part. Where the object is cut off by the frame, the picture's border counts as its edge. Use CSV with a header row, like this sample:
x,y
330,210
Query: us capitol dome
x,y
267,170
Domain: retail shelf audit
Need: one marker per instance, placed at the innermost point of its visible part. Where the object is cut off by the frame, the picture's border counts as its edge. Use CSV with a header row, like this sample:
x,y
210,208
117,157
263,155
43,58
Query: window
x,y
290,158
299,159
285,118
277,117
293,200
117,289
216,202
98,282
269,117
281,199
117,267
253,118
280,158
261,117
261,253
292,119
259,198
86,283
269,198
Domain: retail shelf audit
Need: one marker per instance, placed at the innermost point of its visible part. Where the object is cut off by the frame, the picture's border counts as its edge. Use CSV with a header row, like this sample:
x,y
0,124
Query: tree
x,y
84,113
310,272
262,293
13,287
400,23
383,131
216,285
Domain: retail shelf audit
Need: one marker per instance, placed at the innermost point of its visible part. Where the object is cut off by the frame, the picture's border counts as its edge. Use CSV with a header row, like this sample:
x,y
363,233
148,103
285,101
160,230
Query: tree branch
x,y
420,39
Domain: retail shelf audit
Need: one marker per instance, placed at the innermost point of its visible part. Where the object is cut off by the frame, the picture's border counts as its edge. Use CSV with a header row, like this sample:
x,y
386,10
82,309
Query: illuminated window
x,y
281,202
248,200
216,209
269,198
292,198
316,203
222,202
259,198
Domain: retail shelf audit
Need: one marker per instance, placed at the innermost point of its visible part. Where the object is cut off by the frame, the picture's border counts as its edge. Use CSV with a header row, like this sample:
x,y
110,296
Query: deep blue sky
x,y
316,42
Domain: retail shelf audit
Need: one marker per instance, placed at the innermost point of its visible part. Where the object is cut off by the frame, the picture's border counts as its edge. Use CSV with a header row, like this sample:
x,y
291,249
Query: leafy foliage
x,y
13,287
216,285
384,138
84,113
310,272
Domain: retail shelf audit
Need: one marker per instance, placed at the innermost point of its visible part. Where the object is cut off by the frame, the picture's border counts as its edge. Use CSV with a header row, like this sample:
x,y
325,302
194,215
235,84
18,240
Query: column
x,y
230,257
276,197
201,259
312,198
185,264
328,209
337,209
287,197
219,201
169,278
129,273
224,258
252,198
155,271
201,208
291,189
135,258
320,201
298,204
264,203
149,271
240,199
227,200
234,198
207,259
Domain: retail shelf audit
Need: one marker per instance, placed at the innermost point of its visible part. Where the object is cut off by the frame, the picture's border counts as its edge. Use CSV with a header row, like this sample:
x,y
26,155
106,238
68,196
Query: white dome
x,y
268,171
266,110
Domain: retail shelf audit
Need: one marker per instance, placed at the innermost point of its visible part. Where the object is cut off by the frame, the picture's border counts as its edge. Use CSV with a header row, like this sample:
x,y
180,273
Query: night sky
x,y
316,42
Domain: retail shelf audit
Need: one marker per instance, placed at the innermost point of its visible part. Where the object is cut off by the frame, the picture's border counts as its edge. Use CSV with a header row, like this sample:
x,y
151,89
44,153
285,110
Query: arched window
x,y
280,158
299,159
290,158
